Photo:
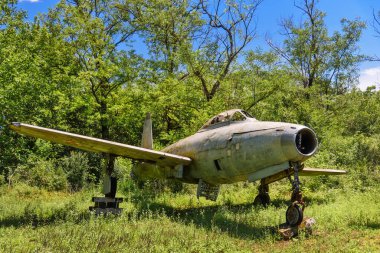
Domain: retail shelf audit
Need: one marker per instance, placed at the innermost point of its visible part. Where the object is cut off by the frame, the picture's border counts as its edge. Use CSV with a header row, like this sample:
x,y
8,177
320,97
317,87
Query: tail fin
x,y
147,136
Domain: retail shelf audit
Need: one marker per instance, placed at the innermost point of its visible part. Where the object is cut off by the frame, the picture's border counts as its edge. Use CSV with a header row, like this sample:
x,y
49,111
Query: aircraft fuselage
x,y
230,152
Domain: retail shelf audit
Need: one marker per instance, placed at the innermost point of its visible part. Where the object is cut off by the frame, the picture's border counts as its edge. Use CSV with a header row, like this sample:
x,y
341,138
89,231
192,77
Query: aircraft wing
x,y
318,172
100,145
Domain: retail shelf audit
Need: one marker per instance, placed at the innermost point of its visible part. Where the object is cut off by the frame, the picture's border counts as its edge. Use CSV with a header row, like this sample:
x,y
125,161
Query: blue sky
x,y
270,13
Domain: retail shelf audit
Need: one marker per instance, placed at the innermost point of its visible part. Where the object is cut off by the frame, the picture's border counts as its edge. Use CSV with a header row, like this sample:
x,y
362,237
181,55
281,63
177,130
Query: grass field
x,y
34,220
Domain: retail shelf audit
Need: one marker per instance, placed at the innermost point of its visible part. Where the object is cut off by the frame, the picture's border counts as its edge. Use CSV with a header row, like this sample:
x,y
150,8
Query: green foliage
x,y
369,150
168,38
77,170
2,180
317,58
40,173
71,172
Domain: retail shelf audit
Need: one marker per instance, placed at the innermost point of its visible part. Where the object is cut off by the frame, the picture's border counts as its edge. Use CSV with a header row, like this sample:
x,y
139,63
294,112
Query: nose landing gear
x,y
294,213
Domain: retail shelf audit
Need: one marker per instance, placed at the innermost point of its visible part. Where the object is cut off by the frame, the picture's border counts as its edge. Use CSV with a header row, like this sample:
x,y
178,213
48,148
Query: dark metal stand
x,y
109,203
104,205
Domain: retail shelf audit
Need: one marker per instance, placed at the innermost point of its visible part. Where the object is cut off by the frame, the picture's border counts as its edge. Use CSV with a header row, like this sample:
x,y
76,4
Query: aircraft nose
x,y
299,143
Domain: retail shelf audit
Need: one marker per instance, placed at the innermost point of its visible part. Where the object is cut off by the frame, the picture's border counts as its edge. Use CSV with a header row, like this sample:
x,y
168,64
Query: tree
x,y
196,39
98,31
376,22
376,28
35,70
168,29
228,30
314,57
10,16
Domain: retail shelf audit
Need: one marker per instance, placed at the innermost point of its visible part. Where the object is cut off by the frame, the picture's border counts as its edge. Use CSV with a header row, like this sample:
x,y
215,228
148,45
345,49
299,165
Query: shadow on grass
x,y
213,218
210,217
369,225
373,225
34,218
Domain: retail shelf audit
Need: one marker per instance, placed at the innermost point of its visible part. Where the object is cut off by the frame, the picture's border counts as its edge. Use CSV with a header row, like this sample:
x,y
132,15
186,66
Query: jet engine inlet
x,y
306,141
299,143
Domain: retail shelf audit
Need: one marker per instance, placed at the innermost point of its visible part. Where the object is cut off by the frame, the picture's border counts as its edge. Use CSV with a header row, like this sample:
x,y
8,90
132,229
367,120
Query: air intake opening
x,y
306,142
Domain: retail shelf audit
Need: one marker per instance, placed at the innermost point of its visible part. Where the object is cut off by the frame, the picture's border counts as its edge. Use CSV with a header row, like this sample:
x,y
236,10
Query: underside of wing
x,y
318,172
304,172
100,145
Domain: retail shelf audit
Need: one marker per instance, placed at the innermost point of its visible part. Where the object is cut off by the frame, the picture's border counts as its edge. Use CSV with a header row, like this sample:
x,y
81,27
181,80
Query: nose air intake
x,y
299,143
306,141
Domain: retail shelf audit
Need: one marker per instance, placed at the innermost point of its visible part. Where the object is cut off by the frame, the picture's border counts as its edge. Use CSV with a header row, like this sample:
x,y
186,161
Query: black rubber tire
x,y
294,215
262,199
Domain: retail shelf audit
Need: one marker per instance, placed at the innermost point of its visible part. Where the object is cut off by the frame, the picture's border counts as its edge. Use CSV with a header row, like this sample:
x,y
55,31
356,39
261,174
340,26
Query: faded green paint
x,y
245,149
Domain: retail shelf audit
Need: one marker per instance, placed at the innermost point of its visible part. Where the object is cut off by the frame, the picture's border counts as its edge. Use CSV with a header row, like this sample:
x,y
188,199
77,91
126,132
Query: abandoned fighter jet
x,y
231,147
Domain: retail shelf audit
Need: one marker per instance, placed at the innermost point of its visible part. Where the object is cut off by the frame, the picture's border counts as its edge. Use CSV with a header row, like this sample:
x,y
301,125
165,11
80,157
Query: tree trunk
x,y
105,134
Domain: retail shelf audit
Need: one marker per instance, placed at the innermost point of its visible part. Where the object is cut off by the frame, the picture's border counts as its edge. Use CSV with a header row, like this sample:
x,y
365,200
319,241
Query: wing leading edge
x,y
319,172
100,145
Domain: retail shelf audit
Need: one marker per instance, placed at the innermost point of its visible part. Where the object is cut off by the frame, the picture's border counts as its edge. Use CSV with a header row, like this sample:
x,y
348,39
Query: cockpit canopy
x,y
227,117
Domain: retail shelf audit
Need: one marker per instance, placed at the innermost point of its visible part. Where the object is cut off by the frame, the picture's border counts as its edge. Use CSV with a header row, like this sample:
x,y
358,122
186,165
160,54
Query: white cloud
x,y
31,1
369,77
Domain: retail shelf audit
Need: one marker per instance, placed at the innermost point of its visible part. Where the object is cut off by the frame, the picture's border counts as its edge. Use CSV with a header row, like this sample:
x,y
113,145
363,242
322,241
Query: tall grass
x,y
34,220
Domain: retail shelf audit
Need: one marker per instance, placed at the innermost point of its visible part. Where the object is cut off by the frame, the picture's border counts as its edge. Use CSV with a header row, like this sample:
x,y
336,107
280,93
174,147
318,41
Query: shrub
x,y
77,169
41,173
2,179
369,150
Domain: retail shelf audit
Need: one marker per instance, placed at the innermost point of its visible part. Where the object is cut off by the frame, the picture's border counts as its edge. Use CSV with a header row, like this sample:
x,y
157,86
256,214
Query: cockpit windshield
x,y
228,116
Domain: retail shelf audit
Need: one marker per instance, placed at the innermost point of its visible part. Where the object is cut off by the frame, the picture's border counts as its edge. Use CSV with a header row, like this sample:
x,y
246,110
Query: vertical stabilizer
x,y
147,136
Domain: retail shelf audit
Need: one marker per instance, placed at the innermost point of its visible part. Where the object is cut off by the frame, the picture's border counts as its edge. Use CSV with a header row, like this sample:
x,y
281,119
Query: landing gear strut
x,y
263,197
294,213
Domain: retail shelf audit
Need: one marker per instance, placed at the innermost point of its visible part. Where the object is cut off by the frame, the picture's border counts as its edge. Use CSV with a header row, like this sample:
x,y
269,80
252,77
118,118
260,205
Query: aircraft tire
x,y
294,215
262,199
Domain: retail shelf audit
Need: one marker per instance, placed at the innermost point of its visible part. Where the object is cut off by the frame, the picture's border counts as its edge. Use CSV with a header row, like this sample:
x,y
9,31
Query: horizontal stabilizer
x,y
318,172
100,145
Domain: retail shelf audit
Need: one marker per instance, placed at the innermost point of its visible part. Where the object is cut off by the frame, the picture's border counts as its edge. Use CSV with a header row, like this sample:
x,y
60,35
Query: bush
x,y
369,150
77,169
40,173
2,179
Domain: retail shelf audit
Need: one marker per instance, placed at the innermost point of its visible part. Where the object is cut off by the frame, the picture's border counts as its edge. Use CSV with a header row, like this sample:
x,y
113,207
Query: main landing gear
x,y
263,197
109,203
294,213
